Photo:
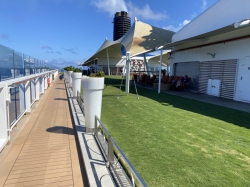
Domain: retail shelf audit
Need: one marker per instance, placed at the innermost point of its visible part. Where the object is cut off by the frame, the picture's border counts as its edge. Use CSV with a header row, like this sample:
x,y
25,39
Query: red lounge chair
x,y
164,79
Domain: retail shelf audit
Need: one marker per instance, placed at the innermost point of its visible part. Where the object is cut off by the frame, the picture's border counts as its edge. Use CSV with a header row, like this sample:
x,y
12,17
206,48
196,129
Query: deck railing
x,y
119,164
16,97
80,100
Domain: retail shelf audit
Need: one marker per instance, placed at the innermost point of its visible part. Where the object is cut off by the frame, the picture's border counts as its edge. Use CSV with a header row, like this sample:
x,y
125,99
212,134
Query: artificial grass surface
x,y
174,141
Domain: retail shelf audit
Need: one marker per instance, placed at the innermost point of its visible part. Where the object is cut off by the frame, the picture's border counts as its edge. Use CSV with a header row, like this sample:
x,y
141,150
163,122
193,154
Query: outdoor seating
x,y
149,80
169,81
184,85
174,80
134,77
143,77
164,79
178,83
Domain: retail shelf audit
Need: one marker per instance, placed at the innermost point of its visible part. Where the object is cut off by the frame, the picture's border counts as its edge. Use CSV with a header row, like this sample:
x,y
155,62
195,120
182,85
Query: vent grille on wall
x,y
224,70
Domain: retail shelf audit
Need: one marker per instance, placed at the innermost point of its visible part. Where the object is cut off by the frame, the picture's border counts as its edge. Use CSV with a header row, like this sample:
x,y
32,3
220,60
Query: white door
x,y
244,80
213,87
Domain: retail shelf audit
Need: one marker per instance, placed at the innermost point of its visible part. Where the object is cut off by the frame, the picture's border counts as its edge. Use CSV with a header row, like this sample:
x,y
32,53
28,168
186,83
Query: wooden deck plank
x,y
45,153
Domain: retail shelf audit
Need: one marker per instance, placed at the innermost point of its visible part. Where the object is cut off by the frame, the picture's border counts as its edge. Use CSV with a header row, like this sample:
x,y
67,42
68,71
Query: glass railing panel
x,y
32,65
20,99
27,65
6,62
18,68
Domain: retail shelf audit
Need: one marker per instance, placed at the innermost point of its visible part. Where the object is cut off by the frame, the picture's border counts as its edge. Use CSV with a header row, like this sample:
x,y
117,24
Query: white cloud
x,y
145,12
185,22
110,6
113,6
46,47
204,5
193,15
175,29
60,62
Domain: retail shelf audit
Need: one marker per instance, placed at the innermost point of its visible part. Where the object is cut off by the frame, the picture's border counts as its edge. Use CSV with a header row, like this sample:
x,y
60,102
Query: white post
x,y
3,116
45,82
50,76
26,89
127,72
159,85
42,84
108,61
146,63
37,87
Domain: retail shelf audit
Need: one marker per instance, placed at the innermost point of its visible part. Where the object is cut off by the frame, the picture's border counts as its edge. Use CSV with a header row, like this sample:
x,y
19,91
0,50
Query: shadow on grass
x,y
233,116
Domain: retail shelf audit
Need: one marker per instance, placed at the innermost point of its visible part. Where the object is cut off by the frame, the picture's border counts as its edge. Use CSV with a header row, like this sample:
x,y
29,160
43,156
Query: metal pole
x,y
108,61
127,72
146,64
159,84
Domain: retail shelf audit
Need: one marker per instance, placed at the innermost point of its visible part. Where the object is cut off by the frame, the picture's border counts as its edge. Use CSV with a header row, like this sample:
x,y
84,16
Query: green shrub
x,y
77,70
98,74
69,68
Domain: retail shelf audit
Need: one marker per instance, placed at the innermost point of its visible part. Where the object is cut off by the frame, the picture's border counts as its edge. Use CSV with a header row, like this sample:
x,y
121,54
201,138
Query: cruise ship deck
x,y
44,151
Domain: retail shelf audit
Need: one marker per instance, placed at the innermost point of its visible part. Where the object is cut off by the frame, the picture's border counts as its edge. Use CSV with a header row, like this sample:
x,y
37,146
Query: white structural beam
x,y
146,64
127,72
42,84
3,116
37,87
159,85
25,89
45,82
108,61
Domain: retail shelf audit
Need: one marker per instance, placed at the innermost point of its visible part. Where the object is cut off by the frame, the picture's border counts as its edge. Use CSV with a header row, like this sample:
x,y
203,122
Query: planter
x,y
76,83
93,87
65,75
70,79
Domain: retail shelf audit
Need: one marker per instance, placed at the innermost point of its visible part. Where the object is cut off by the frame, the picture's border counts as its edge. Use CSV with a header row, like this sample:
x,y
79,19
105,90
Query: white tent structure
x,y
213,50
140,39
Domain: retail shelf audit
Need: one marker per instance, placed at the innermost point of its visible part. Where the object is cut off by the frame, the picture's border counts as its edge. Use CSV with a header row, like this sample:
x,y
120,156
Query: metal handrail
x,y
80,100
112,142
131,167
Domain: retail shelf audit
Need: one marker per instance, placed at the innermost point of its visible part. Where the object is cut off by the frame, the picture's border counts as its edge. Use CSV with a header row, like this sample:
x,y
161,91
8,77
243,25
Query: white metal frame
x,y
5,99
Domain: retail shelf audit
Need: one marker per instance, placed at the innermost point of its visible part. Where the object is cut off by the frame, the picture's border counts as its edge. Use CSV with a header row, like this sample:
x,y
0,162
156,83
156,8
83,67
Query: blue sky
x,y
63,32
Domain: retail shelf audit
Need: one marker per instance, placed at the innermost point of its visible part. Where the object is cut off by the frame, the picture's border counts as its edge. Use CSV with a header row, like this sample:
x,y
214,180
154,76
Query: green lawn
x,y
174,141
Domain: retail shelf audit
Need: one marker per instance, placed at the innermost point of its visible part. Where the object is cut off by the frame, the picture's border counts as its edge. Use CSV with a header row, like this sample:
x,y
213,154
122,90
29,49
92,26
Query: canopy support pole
x,y
146,64
127,72
159,84
108,62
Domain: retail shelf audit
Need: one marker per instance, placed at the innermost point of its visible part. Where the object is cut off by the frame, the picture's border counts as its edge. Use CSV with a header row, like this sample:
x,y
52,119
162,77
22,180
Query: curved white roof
x,y
221,14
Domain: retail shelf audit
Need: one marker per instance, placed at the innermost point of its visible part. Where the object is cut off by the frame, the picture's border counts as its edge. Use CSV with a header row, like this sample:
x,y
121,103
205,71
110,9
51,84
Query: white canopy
x,y
141,38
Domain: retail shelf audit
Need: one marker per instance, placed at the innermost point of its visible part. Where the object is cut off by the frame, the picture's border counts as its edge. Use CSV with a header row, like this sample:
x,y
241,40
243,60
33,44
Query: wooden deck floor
x,y
44,153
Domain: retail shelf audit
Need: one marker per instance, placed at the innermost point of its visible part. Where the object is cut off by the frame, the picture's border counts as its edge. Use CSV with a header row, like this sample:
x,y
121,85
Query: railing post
x,y
24,93
110,151
95,130
37,88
